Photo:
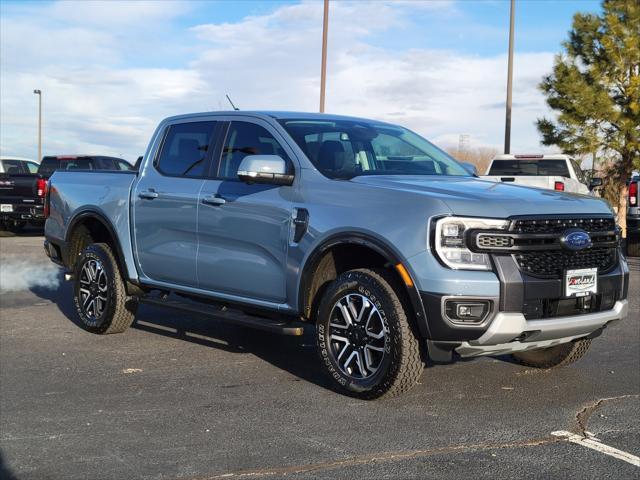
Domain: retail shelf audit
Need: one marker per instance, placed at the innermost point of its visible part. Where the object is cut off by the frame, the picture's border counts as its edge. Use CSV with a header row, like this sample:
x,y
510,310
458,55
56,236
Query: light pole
x,y
507,126
39,93
323,71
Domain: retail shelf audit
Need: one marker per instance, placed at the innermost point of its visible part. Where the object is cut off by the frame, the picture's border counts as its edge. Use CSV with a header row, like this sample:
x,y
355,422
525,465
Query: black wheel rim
x,y
93,290
357,336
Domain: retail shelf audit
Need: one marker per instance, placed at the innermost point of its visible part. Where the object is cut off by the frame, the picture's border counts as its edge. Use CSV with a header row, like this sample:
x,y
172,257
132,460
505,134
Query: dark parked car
x,y
22,193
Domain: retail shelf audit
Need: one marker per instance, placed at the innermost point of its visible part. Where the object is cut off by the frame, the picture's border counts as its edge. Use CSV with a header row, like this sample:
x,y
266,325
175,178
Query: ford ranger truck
x,y
359,230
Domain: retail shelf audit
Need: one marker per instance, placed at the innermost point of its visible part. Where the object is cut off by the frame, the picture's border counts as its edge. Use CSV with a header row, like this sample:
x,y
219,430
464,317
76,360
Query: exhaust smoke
x,y
17,275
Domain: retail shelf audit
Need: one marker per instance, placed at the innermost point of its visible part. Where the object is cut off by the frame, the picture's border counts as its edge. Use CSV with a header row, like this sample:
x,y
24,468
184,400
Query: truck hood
x,y
475,197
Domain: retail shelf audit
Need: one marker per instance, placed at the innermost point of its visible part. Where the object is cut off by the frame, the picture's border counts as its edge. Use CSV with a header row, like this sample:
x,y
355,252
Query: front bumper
x,y
527,312
507,328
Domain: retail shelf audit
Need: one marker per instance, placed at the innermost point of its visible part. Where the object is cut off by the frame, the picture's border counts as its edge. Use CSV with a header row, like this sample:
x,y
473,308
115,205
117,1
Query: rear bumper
x,y
507,328
24,212
55,252
633,225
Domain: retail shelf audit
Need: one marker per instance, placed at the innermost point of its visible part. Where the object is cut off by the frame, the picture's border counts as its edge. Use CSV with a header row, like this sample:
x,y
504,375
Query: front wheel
x,y
100,296
552,357
365,341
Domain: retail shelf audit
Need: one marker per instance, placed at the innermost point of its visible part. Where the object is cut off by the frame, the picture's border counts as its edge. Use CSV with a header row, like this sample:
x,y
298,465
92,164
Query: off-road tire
x,y
633,246
554,357
120,309
401,365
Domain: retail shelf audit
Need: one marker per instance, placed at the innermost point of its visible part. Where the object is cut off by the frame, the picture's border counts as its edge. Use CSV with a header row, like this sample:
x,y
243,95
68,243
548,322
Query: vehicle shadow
x,y
26,232
62,297
295,355
5,471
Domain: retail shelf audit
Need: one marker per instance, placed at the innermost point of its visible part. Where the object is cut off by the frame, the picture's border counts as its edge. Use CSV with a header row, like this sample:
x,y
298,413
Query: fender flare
x,y
94,214
379,246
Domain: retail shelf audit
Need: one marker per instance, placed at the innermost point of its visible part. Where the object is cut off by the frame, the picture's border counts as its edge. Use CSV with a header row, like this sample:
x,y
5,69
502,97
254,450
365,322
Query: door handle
x,y
215,200
148,195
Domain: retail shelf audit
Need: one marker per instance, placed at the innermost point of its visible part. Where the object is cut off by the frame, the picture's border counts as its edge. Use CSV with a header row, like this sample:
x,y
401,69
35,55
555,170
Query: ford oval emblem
x,y
576,240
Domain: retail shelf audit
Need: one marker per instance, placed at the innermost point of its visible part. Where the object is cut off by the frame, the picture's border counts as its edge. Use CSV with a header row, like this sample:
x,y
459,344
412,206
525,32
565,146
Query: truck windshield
x,y
343,149
555,168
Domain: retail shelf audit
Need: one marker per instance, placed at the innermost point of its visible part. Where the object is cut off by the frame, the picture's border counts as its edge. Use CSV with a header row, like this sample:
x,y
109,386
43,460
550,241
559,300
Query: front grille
x,y
553,263
559,225
540,252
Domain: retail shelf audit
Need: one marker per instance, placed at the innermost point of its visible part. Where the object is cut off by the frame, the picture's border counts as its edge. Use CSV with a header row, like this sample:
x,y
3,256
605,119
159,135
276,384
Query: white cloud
x,y
98,98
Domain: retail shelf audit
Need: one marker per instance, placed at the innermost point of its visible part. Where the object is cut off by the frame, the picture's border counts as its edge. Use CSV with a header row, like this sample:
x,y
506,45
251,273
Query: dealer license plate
x,y
6,208
580,283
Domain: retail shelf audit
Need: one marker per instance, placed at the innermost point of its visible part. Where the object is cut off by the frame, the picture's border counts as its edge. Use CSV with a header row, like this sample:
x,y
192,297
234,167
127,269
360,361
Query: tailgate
x,y
525,180
15,188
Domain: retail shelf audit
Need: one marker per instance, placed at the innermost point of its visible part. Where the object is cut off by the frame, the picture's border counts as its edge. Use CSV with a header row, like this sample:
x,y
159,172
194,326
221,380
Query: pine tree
x,y
594,90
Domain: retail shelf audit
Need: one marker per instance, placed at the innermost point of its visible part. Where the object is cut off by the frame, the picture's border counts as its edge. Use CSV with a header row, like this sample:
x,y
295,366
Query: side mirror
x,y
270,169
595,182
469,167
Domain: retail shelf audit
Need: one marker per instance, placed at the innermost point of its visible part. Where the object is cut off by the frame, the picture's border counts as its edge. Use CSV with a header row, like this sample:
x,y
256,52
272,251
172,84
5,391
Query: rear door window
x,y
185,149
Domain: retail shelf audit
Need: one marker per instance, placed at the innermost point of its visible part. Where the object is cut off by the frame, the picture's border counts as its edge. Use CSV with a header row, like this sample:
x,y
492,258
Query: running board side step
x,y
233,317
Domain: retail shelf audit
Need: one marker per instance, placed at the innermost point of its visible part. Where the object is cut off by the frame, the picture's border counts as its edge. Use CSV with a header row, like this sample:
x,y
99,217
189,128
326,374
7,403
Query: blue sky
x,y
111,70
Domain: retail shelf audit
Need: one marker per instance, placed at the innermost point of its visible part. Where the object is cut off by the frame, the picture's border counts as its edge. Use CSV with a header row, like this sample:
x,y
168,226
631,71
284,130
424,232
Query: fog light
x,y
467,311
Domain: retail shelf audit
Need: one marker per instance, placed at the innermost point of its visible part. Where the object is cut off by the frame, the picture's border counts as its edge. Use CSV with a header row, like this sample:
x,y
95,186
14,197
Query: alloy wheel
x,y
357,336
93,289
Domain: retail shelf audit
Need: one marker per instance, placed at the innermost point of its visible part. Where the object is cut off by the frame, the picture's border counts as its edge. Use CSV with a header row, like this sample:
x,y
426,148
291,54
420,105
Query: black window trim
x,y
208,159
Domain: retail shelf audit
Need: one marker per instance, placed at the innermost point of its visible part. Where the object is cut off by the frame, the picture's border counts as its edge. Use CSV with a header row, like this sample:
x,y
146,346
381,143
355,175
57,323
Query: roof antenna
x,y
234,107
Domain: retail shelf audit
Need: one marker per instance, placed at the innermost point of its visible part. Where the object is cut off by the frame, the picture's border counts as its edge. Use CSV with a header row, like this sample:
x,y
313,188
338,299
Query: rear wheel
x,y
365,341
552,357
100,297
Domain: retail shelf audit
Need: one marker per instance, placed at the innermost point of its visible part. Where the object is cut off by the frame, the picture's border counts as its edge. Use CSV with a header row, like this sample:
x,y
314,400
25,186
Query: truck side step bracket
x,y
234,317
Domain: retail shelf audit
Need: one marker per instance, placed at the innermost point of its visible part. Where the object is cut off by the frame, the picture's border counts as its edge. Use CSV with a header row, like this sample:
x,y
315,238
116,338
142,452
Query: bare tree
x,y
479,156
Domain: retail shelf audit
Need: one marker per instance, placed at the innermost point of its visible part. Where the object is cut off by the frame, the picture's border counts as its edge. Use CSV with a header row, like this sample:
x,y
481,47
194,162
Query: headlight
x,y
451,241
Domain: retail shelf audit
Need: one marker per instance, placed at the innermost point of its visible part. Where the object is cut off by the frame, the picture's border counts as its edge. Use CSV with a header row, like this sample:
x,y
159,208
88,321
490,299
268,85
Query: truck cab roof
x,y
533,156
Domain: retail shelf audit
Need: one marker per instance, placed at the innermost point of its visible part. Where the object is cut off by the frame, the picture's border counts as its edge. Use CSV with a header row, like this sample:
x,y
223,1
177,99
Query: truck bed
x,y
106,193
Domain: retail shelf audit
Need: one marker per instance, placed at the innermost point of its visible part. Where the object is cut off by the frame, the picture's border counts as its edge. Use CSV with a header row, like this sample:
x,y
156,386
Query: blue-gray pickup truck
x,y
390,250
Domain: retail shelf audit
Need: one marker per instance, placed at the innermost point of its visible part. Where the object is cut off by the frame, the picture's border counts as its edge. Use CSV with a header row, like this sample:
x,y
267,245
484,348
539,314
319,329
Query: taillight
x,y
559,187
41,186
47,194
633,193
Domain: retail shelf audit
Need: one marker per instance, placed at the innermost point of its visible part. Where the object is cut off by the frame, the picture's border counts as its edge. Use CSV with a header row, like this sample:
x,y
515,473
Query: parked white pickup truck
x,y
553,172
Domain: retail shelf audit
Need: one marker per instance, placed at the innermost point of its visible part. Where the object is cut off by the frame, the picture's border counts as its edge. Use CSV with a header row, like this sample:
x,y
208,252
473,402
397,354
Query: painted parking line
x,y
598,446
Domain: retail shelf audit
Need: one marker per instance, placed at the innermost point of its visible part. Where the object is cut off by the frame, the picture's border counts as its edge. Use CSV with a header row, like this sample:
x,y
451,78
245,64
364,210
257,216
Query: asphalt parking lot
x,y
186,397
